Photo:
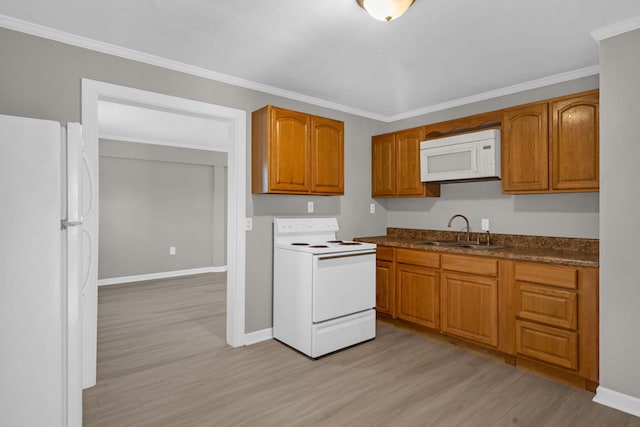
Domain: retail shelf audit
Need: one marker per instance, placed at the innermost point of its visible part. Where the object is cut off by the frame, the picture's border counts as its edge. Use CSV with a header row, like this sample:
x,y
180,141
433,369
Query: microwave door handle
x,y
474,160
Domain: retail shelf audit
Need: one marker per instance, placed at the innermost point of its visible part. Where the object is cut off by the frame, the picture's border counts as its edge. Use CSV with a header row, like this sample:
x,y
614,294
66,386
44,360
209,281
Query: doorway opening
x,y
232,123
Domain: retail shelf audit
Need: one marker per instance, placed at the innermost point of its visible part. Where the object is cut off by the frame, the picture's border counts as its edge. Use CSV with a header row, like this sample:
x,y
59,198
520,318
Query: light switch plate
x,y
372,208
172,250
310,207
485,224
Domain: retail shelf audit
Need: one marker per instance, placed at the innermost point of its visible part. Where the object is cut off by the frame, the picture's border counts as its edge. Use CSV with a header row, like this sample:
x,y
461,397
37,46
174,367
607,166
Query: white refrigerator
x,y
40,273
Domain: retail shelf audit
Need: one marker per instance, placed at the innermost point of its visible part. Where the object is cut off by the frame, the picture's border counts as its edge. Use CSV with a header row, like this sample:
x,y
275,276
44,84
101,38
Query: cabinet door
x,y
525,150
408,162
383,156
575,144
418,295
470,307
327,156
385,289
289,164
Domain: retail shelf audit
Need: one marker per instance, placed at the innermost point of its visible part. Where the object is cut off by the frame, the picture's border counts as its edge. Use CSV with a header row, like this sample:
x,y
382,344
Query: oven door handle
x,y
321,258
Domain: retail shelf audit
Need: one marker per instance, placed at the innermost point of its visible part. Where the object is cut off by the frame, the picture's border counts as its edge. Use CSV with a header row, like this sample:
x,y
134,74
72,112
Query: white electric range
x,y
324,289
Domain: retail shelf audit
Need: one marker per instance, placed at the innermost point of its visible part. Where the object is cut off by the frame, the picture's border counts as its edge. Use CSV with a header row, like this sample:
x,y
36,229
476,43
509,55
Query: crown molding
x,y
134,55
616,29
509,90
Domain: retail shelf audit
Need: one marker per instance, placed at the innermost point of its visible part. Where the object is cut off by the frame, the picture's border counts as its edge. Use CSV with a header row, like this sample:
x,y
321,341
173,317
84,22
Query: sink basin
x,y
437,243
459,244
477,246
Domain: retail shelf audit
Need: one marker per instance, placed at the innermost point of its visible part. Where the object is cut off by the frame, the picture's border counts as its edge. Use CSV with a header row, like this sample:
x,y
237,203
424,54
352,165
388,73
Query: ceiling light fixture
x,y
385,10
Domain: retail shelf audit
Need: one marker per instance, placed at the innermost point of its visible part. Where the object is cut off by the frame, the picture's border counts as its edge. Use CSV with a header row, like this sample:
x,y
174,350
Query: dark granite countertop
x,y
554,250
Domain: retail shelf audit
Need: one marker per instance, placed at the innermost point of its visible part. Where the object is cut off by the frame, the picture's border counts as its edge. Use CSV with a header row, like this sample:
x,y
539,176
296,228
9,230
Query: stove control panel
x,y
305,225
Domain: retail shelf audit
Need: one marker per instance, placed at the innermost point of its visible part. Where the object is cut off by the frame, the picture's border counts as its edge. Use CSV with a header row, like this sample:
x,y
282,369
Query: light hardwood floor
x,y
163,361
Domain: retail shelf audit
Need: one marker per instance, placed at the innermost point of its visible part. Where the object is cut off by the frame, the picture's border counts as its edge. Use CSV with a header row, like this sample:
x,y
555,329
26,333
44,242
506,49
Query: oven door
x,y
343,284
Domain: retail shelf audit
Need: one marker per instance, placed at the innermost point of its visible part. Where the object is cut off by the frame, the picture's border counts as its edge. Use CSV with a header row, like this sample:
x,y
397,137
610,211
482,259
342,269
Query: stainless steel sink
x,y
459,244
479,246
437,243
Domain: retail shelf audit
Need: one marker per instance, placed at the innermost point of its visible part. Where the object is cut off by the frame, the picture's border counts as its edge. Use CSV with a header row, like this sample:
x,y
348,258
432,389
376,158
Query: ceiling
x,y
439,54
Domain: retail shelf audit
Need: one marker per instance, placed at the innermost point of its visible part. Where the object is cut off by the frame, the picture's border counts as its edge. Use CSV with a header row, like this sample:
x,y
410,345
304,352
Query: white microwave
x,y
467,156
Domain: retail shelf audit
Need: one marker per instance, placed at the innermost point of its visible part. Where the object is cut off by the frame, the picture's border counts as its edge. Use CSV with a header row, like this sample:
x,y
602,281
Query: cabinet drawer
x,y
554,307
424,258
384,253
472,265
564,277
550,345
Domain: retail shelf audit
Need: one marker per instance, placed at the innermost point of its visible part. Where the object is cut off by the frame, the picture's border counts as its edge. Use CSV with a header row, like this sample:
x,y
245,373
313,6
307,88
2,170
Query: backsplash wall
x,y
562,215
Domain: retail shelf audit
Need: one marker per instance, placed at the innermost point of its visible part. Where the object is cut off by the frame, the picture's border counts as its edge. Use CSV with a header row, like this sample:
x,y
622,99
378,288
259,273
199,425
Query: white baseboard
x,y
616,400
162,275
258,336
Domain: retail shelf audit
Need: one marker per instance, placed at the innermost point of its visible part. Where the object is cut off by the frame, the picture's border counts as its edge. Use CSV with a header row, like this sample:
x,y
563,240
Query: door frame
x,y
95,91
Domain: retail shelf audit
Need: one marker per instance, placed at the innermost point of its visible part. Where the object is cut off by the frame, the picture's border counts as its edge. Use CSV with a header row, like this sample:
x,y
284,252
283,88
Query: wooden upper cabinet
x,y
525,149
296,153
395,166
289,151
408,162
575,143
552,146
327,156
383,156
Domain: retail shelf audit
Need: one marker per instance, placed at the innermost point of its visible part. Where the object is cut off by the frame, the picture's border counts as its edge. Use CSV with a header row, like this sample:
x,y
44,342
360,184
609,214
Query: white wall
x,y
149,205
620,208
566,215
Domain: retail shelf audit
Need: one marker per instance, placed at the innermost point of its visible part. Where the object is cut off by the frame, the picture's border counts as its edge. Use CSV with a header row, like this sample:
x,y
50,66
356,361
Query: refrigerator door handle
x,y
64,224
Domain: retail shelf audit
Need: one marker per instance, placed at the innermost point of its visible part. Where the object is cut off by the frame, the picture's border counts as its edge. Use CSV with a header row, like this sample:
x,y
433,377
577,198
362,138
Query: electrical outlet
x,y
372,208
310,207
248,224
485,224
172,250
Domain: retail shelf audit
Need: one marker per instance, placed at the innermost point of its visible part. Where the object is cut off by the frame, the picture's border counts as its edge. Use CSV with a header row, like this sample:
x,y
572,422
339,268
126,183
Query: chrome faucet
x,y
465,220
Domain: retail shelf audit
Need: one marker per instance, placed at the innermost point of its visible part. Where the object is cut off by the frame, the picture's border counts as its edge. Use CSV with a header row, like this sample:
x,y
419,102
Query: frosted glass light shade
x,y
385,10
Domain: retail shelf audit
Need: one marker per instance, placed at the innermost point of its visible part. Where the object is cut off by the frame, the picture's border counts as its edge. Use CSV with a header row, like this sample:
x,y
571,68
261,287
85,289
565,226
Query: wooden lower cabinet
x,y
541,316
470,307
418,295
385,287
556,317
385,281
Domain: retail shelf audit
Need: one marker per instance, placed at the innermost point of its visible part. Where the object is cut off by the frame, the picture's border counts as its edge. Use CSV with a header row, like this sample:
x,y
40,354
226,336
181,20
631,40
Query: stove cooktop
x,y
330,246
313,235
